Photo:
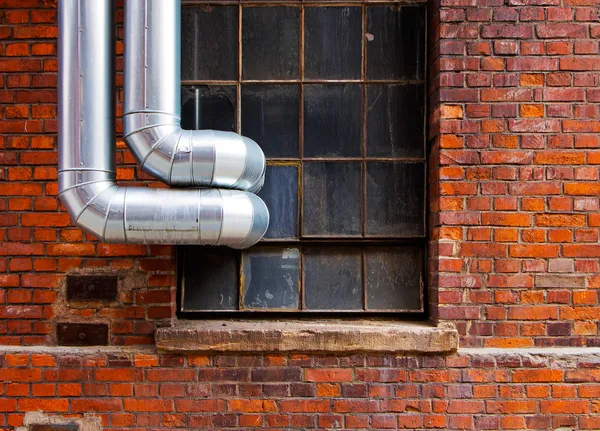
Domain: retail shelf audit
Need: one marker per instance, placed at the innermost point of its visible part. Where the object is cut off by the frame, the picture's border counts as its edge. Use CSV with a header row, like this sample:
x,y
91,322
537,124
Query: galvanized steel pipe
x,y
152,109
86,147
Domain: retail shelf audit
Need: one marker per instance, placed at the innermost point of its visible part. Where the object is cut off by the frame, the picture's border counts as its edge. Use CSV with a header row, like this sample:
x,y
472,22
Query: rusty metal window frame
x,y
363,241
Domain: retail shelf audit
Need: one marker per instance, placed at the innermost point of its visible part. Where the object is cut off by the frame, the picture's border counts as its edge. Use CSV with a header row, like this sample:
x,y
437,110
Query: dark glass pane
x,y
332,198
394,279
333,42
395,120
332,120
209,42
396,42
210,279
395,199
280,193
208,107
270,42
271,279
332,279
270,117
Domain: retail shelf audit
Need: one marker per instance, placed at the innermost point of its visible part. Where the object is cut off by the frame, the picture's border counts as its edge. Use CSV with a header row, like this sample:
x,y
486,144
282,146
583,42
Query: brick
x,y
170,375
328,375
358,406
584,126
506,95
537,376
308,406
114,375
559,220
531,79
582,189
512,407
532,64
145,360
96,405
284,374
559,281
16,360
534,125
543,251
566,407
533,313
46,405
512,219
147,405
223,374
559,158
580,63
201,406
576,250
42,360
69,390
507,31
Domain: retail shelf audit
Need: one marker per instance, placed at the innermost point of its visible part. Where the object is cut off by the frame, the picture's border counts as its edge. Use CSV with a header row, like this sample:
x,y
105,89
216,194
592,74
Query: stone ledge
x,y
306,336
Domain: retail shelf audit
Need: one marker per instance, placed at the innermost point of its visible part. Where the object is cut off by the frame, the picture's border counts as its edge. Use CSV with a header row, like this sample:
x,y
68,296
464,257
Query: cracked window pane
x,y
271,279
208,107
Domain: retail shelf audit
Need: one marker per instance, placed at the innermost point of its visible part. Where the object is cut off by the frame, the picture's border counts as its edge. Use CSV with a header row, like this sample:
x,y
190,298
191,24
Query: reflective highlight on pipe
x,y
152,110
86,147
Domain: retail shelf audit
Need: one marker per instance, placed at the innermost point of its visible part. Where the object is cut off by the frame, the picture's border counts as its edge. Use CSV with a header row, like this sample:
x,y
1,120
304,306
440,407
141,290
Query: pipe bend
x,y
137,215
197,158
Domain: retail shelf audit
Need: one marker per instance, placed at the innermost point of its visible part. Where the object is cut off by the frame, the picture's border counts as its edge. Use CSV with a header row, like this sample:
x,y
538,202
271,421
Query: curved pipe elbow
x,y
136,215
197,158
84,194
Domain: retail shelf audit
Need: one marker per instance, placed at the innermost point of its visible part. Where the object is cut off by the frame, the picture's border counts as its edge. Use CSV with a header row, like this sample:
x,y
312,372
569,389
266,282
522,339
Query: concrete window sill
x,y
333,336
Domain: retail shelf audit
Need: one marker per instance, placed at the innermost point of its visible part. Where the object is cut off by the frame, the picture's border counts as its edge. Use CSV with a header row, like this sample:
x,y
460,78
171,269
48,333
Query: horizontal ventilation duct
x,y
87,179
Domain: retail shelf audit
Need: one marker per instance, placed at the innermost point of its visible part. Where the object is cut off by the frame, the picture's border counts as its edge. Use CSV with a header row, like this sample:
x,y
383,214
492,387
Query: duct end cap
x,y
260,223
256,165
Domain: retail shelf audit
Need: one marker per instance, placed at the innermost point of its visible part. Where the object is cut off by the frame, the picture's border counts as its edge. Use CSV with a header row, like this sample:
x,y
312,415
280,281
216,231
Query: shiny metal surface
x,y
152,109
87,179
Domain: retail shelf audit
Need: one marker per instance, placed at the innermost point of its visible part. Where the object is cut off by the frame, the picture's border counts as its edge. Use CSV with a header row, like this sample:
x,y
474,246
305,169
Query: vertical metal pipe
x,y
198,106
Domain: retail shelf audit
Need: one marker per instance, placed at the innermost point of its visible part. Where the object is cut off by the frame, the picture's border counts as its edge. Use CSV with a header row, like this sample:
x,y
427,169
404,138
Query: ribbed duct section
x,y
152,109
86,150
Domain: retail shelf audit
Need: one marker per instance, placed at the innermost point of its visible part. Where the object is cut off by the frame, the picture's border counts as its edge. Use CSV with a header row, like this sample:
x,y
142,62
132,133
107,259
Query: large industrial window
x,y
335,95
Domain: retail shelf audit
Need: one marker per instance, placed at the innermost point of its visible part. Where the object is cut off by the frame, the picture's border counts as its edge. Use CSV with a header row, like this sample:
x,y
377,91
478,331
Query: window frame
x,y
420,241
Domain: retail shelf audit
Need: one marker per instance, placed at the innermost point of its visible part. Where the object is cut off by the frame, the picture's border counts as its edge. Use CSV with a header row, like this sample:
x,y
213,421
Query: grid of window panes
x,y
335,96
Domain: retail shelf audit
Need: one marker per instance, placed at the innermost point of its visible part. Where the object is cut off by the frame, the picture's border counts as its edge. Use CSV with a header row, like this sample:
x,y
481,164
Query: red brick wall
x,y
514,116
145,391
38,242
514,179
